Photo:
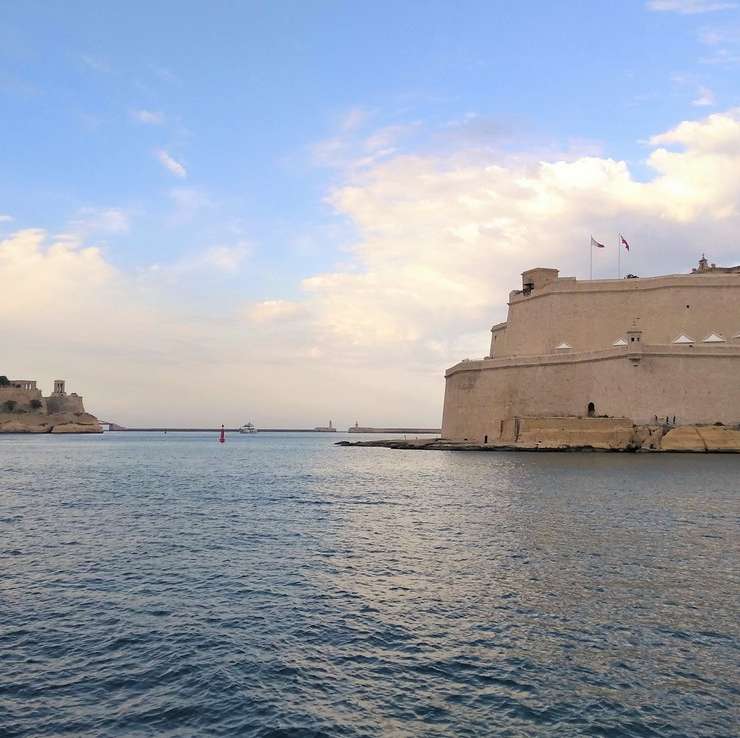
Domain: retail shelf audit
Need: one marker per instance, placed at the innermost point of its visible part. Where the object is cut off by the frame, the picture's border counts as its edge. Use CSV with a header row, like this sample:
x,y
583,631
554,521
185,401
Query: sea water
x,y
278,585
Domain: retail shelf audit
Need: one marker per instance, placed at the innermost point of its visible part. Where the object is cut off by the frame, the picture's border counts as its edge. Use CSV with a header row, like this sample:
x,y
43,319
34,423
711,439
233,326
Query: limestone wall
x,y
22,398
65,403
555,354
695,385
592,315
601,433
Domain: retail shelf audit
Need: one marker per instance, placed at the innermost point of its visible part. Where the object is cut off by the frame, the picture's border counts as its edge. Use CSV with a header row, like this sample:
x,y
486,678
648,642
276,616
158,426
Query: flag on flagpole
x,y
624,242
598,245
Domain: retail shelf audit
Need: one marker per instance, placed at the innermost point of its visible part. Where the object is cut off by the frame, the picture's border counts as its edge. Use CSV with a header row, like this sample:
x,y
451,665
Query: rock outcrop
x,y
608,434
702,439
44,423
587,434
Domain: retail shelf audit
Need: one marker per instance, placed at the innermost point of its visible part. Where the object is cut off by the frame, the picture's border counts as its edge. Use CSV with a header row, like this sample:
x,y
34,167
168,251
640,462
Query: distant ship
x,y
248,428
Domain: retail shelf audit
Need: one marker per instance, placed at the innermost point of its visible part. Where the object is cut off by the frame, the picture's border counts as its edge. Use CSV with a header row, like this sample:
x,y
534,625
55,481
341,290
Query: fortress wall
x,y
65,404
591,316
23,399
697,389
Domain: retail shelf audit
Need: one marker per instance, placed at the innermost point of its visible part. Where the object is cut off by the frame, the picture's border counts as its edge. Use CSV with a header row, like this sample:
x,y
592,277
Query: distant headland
x,y
24,409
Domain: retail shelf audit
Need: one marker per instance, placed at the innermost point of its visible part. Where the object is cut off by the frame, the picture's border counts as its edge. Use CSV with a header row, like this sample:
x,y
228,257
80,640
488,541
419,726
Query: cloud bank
x,y
442,238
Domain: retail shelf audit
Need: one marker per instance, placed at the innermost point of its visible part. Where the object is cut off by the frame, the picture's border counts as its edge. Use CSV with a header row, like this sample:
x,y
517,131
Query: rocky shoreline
x,y
49,423
642,439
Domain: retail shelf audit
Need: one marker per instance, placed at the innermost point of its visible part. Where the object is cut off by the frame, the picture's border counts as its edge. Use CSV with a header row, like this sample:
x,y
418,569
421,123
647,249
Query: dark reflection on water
x,y
279,586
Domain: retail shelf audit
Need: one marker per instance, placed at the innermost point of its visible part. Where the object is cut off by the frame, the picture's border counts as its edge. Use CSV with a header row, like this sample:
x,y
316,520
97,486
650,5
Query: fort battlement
x,y
637,348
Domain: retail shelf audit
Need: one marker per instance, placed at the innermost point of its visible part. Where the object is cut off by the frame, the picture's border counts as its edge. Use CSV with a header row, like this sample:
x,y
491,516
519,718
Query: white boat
x,y
248,428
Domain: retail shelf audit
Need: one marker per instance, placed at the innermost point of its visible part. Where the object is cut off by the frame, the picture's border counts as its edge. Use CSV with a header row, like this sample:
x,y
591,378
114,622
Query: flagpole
x,y
591,260
619,256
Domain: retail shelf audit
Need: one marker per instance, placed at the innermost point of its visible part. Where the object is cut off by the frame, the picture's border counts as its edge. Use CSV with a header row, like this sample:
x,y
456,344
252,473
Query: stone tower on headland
x,y
24,409
644,349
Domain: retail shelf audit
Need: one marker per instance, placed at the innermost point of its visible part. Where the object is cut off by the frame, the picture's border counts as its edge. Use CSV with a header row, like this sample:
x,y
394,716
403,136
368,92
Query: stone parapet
x,y
617,352
643,284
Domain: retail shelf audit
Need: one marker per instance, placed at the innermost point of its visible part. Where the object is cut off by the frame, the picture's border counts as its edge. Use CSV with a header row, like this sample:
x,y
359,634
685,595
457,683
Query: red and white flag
x,y
598,245
624,242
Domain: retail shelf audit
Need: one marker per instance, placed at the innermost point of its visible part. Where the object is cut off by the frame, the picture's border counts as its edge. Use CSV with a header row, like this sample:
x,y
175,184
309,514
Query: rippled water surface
x,y
280,586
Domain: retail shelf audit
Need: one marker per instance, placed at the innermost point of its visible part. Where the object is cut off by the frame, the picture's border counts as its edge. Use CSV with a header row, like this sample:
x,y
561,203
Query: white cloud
x,y
723,57
705,98
5,218
171,164
690,7
443,238
91,220
148,117
226,260
355,146
354,118
268,311
724,42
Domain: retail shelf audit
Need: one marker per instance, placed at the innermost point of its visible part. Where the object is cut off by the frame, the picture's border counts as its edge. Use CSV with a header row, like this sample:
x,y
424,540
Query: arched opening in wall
x,y
485,439
591,410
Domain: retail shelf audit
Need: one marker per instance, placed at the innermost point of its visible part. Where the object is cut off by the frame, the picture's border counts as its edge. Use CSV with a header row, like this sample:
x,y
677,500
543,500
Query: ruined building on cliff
x,y
24,395
24,409
649,349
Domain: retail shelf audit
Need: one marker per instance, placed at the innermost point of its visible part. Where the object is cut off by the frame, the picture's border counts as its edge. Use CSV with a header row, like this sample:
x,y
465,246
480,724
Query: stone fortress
x,y
24,409
616,363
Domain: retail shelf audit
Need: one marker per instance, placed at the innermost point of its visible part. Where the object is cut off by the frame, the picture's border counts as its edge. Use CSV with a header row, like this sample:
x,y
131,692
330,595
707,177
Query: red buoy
x,y
222,435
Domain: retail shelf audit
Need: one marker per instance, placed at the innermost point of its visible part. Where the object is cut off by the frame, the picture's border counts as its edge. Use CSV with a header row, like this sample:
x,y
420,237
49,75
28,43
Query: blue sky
x,y
244,91
176,136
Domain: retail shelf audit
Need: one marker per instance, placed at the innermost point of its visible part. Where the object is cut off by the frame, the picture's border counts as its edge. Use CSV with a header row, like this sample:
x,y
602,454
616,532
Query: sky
x,y
291,212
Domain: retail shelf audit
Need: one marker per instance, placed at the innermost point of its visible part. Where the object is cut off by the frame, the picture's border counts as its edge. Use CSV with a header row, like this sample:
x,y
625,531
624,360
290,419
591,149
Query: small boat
x,y
248,428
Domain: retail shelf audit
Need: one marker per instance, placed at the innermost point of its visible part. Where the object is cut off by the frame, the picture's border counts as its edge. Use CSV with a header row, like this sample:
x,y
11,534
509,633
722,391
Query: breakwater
x,y
216,429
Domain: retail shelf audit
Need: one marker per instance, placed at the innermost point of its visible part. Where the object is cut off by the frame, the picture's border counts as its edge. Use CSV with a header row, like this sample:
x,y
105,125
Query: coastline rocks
x,y
686,438
702,439
552,434
648,437
14,426
42,423
75,428
604,434
718,439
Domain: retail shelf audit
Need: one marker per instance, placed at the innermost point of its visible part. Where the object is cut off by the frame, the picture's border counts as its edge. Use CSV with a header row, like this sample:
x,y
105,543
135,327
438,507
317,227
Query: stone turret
x,y
537,278
60,402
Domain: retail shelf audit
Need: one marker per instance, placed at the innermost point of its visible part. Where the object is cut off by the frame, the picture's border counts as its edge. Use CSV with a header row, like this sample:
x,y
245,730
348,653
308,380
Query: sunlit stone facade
x,y
639,348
